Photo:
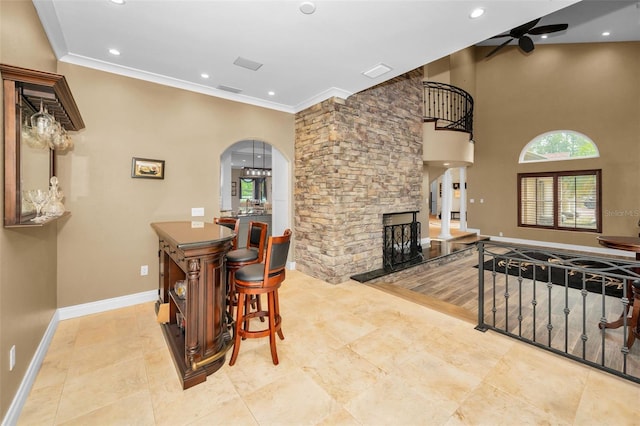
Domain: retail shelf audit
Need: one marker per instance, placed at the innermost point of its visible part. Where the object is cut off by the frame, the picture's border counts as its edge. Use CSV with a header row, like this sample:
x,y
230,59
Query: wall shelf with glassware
x,y
39,110
42,223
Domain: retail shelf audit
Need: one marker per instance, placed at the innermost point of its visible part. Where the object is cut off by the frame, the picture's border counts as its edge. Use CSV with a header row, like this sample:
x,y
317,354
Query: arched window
x,y
559,145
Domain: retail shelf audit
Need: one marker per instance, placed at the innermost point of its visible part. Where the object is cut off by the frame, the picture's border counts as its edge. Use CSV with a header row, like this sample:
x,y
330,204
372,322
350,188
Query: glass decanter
x,y
54,207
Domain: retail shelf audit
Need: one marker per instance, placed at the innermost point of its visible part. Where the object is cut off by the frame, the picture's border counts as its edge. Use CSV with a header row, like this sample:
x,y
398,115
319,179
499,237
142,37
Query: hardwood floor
x,y
564,319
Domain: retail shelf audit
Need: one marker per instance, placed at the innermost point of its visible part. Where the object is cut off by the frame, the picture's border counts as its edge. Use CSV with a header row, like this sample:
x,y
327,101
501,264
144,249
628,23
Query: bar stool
x,y
257,279
231,223
252,253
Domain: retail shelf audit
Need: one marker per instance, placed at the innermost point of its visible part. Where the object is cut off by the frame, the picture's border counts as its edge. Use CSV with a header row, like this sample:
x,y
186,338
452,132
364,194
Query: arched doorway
x,y
255,185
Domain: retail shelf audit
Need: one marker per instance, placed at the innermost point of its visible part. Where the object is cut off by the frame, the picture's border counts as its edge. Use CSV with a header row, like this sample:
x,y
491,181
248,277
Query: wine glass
x,y
38,198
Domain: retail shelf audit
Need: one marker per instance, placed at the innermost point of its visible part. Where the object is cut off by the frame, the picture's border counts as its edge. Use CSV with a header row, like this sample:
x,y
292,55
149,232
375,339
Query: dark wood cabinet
x,y
26,90
195,254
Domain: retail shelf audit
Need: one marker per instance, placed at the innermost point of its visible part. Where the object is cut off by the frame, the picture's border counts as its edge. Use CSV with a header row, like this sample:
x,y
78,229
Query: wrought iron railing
x,y
569,303
449,106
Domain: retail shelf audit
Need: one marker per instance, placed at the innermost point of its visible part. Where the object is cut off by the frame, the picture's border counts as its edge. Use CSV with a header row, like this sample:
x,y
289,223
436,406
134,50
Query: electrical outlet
x,y
12,357
197,212
144,270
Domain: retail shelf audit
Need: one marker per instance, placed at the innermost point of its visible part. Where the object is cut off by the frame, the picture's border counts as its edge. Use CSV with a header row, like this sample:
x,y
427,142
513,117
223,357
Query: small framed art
x,y
147,168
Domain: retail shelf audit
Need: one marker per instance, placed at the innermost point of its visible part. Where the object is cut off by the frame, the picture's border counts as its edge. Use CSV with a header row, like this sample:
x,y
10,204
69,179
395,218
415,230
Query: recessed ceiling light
x,y
445,164
307,7
117,1
271,93
476,13
204,75
606,33
114,52
543,36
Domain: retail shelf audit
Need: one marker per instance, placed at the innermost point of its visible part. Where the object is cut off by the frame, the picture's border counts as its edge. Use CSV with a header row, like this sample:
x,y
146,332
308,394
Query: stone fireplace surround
x,y
356,159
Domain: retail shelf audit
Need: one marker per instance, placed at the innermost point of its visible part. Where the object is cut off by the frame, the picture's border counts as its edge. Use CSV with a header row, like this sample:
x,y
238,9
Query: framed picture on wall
x,y
234,189
147,168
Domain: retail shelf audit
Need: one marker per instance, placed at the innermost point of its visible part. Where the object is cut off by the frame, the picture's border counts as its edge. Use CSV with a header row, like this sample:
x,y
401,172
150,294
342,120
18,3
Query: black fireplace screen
x,y
401,243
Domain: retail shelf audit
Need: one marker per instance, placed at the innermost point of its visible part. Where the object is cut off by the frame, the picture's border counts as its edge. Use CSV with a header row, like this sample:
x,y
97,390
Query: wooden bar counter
x,y
197,328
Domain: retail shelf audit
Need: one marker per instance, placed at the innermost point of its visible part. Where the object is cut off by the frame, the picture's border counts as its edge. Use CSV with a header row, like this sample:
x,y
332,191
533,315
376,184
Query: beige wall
x,y
27,256
107,238
96,253
593,89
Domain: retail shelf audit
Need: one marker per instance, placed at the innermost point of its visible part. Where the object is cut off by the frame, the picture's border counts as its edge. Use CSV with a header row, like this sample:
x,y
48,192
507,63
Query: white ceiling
x,y
306,58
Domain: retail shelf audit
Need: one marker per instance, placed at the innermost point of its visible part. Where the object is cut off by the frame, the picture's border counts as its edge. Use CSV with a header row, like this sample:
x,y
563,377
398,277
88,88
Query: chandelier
x,y
257,171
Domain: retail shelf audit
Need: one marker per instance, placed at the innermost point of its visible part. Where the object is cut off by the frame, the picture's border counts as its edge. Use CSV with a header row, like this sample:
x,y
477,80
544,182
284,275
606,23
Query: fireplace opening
x,y
401,240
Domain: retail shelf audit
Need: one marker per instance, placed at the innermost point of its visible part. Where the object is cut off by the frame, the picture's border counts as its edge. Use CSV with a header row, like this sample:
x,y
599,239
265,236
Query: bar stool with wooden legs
x,y
257,279
231,223
252,253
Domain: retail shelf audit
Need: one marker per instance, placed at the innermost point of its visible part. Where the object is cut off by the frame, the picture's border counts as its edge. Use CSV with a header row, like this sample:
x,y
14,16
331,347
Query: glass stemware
x,y
38,198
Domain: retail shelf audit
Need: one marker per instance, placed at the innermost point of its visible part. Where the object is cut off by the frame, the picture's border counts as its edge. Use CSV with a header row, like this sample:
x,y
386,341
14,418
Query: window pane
x,y
559,145
537,201
246,189
577,201
560,200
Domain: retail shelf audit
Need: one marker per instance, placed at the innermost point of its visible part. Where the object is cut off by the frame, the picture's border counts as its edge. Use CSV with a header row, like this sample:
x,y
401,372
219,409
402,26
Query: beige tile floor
x,y
352,355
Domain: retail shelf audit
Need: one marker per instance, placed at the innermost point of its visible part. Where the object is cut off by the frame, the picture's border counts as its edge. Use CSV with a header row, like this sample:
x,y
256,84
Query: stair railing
x,y
573,304
449,106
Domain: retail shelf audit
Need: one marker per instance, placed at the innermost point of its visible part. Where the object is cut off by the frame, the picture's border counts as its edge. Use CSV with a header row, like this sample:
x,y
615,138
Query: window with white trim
x,y
560,200
559,145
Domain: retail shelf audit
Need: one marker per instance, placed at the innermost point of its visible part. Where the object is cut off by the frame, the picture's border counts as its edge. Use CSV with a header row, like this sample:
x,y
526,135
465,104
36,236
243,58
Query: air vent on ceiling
x,y
229,89
377,71
247,63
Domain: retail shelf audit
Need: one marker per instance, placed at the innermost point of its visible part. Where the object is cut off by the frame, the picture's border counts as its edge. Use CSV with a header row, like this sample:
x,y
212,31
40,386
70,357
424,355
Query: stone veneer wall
x,y
355,160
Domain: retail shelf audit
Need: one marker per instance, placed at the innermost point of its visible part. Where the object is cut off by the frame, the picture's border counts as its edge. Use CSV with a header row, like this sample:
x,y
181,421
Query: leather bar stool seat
x,y
242,255
254,280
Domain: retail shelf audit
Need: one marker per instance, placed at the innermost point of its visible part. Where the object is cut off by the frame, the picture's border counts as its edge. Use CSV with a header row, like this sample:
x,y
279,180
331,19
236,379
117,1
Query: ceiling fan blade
x,y
526,44
498,48
500,36
518,32
548,29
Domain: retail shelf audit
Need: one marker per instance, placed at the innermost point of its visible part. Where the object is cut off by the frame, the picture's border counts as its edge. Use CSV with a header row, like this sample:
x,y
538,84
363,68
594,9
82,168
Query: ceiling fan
x,y
524,41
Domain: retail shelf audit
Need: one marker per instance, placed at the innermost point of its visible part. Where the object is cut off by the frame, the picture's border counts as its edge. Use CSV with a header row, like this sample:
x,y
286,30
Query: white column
x,y
280,190
225,181
445,211
463,198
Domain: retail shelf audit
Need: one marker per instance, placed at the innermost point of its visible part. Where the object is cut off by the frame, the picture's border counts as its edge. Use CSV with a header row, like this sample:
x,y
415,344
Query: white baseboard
x,y
107,304
572,247
11,418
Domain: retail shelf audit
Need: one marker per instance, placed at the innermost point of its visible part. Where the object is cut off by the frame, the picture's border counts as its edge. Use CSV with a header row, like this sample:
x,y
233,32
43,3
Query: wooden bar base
x,y
197,327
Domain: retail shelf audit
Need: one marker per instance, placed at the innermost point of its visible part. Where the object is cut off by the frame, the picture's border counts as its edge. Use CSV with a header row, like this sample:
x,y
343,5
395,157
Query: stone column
x,y
355,160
